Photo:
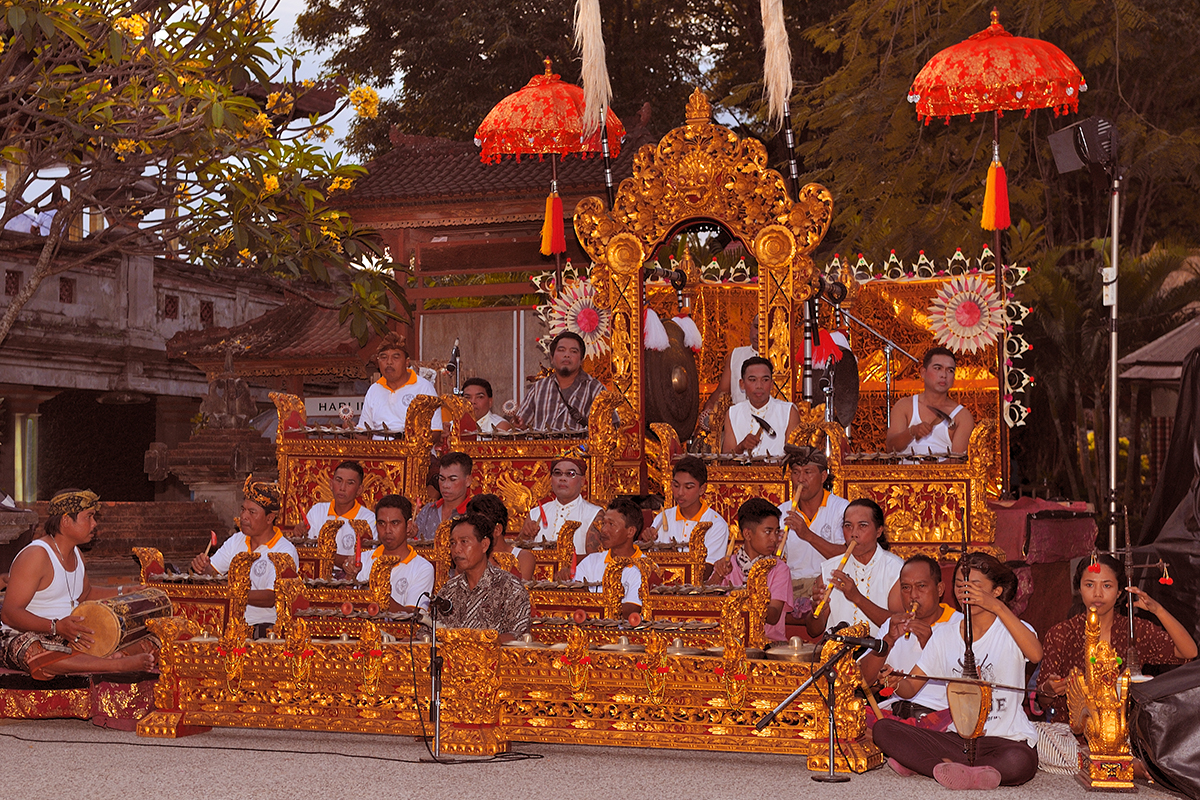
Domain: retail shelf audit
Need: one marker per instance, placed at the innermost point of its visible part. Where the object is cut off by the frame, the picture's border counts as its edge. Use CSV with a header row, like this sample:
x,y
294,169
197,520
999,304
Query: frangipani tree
x,y
176,128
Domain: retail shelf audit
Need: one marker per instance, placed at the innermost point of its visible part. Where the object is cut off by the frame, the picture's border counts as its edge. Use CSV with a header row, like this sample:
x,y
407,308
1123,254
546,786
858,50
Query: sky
x,y
310,66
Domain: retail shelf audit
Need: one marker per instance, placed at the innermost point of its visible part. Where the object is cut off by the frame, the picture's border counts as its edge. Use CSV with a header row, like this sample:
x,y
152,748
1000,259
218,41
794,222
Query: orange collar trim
x,y
352,514
409,381
807,521
679,517
412,553
608,556
274,541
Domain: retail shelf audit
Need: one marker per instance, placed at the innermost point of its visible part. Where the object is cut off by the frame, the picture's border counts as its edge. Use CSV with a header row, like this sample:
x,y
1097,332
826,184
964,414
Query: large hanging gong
x,y
673,385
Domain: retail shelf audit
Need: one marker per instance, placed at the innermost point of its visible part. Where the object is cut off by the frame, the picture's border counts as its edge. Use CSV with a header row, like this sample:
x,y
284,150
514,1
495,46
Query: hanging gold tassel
x,y
995,196
553,237
777,60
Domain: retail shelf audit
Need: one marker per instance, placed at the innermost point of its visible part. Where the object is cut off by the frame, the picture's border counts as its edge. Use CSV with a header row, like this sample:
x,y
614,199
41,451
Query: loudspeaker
x,y
1164,728
1091,142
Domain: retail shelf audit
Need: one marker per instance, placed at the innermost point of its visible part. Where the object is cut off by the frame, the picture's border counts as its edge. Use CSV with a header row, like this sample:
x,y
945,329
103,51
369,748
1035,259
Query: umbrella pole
x,y
1005,460
608,179
558,278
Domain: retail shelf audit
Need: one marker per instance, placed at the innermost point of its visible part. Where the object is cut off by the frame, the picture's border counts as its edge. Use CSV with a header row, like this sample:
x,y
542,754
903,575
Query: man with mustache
x,y
481,594
561,401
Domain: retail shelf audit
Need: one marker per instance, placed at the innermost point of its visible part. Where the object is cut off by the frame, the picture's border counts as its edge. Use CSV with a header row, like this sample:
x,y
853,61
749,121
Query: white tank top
x,y
938,440
58,599
777,413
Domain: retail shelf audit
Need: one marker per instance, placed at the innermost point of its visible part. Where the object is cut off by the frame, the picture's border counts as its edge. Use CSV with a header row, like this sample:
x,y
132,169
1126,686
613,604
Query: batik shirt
x,y
499,601
543,407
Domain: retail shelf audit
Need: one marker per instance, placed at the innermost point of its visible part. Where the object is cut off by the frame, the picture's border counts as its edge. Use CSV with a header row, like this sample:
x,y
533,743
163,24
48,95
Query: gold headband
x,y
71,503
263,493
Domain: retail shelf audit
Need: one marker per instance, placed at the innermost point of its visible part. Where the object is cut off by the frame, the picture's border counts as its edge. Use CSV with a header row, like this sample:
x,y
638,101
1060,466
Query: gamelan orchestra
x,y
749,515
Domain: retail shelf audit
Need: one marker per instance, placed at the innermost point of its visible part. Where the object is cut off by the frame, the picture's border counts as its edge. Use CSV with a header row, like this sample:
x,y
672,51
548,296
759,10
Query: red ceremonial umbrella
x,y
546,118
996,71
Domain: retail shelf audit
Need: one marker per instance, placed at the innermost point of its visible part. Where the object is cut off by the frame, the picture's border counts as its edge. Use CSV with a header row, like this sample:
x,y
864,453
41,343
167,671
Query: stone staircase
x,y
179,529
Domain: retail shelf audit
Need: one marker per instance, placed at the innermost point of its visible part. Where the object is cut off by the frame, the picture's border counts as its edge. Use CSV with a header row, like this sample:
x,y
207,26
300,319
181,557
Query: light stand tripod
x,y
829,671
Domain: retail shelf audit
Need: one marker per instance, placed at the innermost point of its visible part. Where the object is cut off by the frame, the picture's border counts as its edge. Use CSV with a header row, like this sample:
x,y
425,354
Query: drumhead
x,y
104,623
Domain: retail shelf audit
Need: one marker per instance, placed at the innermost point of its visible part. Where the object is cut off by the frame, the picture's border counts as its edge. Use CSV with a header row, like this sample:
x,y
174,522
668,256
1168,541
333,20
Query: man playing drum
x,y
41,635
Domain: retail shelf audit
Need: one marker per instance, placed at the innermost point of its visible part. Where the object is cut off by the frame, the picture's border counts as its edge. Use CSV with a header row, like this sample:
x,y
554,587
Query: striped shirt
x,y
543,408
499,601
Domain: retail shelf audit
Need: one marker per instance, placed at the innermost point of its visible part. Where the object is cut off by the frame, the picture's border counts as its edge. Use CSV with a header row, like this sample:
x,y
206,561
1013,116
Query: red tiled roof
x,y
297,331
423,167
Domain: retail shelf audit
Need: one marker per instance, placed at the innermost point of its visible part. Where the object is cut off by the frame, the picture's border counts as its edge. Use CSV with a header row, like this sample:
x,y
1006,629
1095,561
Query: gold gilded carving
x,y
775,246
454,410
519,493
370,655
379,581
238,587
1096,700
606,441
285,406
659,461
654,668
613,591
286,592
505,561
441,554
698,109
232,650
625,254
577,661
759,597
148,557
300,653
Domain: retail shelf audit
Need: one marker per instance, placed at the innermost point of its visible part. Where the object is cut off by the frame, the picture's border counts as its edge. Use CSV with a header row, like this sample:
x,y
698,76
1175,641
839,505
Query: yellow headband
x,y
71,503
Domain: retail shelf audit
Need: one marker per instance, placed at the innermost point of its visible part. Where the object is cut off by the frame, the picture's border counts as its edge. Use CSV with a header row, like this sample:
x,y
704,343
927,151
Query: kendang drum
x,y
120,621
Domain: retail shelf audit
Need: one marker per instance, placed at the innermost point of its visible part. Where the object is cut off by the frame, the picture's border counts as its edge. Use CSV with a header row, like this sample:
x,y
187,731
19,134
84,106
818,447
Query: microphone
x,y
877,645
439,606
454,356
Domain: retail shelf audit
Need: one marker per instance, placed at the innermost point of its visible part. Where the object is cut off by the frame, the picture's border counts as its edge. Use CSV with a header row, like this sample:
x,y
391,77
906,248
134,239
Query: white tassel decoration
x,y
654,335
589,41
691,334
777,60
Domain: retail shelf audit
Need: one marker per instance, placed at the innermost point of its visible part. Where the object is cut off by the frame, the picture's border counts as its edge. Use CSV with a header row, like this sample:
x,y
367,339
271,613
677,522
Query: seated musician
x,y
623,521
454,479
864,588
1102,586
345,484
758,521
1006,754
931,423
812,519
481,594
45,583
568,474
561,401
492,507
413,576
386,402
258,535
727,385
478,392
760,424
907,632
689,483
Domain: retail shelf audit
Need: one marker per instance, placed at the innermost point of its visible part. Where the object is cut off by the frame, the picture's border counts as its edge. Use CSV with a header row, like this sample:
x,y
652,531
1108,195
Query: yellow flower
x,y
1,45
124,147
133,26
308,83
321,132
333,238
341,184
365,102
261,124
245,254
279,103
270,185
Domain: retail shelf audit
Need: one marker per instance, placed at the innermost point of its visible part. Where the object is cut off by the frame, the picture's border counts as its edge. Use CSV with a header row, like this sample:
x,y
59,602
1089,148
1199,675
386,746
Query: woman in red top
x,y
1104,591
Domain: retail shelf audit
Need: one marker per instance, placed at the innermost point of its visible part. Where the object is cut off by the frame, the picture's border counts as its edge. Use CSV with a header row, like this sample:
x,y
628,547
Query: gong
x,y
673,385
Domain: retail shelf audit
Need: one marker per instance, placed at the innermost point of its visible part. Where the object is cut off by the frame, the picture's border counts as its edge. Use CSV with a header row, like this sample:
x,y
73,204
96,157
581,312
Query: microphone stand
x,y
435,685
828,669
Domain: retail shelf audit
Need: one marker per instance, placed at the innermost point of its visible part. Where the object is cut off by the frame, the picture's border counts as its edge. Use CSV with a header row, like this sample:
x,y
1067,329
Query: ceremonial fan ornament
x,y
575,310
966,314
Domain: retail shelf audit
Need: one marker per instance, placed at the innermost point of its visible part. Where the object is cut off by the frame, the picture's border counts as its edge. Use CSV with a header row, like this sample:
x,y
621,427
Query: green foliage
x,y
179,124
452,60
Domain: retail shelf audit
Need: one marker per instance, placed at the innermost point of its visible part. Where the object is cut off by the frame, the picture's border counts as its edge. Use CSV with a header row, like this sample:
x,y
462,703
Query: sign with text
x,y
328,406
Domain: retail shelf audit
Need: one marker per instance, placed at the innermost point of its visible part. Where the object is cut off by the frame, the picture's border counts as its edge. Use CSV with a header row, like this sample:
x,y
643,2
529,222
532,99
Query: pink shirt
x,y
779,582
